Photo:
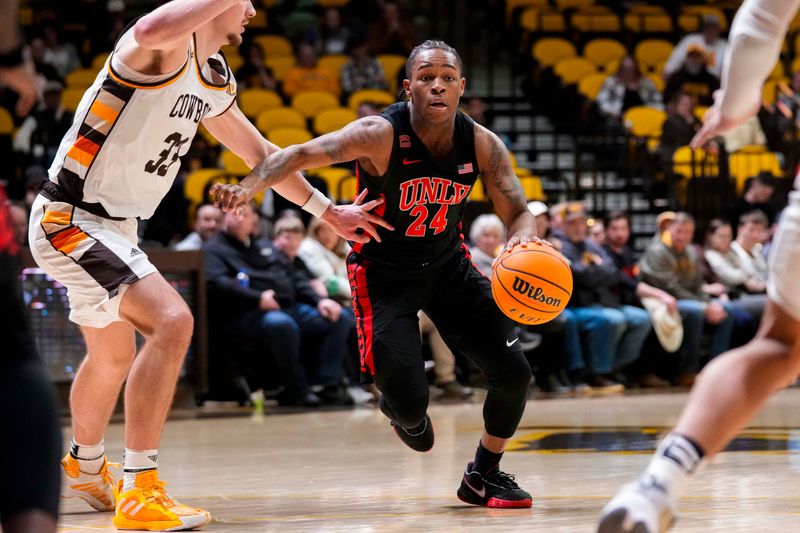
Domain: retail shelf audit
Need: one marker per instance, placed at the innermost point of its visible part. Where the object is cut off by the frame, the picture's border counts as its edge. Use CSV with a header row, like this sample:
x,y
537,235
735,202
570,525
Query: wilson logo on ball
x,y
534,293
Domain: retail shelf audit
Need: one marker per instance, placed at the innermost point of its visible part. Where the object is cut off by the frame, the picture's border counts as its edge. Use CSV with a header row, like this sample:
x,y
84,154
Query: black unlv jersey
x,y
424,197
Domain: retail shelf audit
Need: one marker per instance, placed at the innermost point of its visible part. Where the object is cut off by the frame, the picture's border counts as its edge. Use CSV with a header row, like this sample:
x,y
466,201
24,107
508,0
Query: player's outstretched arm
x,y
353,222
504,188
754,45
171,24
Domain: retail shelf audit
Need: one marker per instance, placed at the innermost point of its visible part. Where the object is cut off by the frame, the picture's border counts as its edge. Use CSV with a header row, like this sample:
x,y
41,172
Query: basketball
x,y
532,285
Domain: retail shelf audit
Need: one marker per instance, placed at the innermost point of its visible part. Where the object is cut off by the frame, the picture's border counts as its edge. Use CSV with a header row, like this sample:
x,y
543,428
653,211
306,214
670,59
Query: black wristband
x,y
12,58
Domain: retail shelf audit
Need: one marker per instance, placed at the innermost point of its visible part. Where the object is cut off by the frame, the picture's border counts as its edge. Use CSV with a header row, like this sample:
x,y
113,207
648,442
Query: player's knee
x,y
512,373
407,413
177,323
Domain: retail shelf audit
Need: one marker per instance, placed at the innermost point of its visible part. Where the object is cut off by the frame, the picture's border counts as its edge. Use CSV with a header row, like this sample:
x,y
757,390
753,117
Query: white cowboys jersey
x,y
122,152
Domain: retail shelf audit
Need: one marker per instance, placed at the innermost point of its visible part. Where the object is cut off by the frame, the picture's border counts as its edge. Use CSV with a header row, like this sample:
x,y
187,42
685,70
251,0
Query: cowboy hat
x,y
668,326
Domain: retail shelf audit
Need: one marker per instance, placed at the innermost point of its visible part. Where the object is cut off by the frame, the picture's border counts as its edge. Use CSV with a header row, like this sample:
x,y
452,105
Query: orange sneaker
x,y
148,507
98,490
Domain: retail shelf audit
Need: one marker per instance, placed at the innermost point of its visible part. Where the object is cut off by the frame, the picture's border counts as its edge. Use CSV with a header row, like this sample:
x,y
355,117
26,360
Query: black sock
x,y
485,460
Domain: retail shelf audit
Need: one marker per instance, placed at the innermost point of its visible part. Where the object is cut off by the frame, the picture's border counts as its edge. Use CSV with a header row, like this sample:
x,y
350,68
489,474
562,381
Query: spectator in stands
x,y
207,223
62,56
44,71
307,75
34,176
693,78
709,42
254,74
476,108
333,35
597,231
487,235
362,71
391,34
256,293
676,269
325,254
19,222
543,230
746,134
625,89
756,197
367,109
616,331
751,235
40,134
679,127
631,289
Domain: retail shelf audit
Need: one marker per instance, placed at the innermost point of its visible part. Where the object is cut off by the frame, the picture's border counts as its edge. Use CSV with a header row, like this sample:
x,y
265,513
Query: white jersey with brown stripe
x,y
123,150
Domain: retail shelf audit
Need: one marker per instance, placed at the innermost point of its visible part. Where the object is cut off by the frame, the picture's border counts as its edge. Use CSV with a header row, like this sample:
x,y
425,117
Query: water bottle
x,y
243,279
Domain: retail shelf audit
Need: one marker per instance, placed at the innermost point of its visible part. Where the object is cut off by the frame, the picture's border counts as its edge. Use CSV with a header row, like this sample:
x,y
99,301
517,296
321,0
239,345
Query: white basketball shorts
x,y
783,287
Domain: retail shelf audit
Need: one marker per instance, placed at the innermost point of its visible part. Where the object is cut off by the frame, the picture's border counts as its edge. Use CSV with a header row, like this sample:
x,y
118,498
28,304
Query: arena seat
x,y
274,45
535,19
280,117
602,51
71,97
652,52
284,137
311,103
6,122
233,164
333,63
333,119
380,98
749,161
253,102
550,50
573,69
591,84
81,78
280,65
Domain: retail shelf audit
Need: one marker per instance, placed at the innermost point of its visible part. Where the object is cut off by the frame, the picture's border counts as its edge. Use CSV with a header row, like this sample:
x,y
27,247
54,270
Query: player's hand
x,y
354,222
21,80
268,301
330,309
230,196
524,240
714,124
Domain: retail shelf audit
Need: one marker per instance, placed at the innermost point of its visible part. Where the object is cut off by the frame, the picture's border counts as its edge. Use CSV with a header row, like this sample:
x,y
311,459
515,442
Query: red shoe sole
x,y
509,504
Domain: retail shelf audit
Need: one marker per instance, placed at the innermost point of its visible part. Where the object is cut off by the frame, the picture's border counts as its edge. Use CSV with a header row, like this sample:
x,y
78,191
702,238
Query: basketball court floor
x,y
346,470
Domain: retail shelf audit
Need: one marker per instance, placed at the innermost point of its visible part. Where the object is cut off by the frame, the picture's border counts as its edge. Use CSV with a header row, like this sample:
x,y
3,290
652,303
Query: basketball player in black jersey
x,y
421,158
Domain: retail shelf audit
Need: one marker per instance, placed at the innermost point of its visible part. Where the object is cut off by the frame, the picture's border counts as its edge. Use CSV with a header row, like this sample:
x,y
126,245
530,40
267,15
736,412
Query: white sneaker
x,y
359,395
637,508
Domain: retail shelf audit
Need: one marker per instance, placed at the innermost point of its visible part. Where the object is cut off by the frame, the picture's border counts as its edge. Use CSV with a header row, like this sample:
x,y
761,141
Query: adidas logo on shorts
x,y
135,252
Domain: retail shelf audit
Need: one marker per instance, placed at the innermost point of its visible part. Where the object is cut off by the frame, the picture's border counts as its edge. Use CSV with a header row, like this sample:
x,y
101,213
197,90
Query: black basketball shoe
x,y
419,439
496,489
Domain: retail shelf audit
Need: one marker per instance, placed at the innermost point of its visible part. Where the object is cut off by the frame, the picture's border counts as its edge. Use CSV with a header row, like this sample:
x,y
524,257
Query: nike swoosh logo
x,y
411,162
512,342
481,493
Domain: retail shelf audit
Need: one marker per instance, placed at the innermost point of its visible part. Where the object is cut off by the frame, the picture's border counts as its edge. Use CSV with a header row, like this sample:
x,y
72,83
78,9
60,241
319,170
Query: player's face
x,y
233,20
618,232
436,85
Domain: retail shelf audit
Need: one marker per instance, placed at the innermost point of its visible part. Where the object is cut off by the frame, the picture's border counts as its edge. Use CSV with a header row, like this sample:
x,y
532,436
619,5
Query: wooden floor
x,y
346,470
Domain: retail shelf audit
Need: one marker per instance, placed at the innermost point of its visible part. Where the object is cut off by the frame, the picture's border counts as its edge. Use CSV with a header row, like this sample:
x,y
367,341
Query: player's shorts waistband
x,y
52,191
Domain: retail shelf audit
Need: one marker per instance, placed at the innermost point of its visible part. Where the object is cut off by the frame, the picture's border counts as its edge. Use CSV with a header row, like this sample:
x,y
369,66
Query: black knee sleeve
x,y
29,456
509,378
406,413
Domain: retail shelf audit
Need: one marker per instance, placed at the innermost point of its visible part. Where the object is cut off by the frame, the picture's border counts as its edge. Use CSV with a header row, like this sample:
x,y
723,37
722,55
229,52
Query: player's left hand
x,y
329,309
230,196
354,222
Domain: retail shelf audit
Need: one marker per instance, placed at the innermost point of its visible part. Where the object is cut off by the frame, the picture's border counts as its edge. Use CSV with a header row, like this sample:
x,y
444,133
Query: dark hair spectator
x,y
254,74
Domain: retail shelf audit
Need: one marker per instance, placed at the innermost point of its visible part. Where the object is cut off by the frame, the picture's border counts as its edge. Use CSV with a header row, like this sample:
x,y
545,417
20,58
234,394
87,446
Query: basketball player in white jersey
x,y
733,387
164,77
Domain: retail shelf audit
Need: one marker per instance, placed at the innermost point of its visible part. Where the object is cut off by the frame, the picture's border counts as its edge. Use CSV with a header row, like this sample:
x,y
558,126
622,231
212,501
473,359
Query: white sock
x,y
90,457
675,460
135,461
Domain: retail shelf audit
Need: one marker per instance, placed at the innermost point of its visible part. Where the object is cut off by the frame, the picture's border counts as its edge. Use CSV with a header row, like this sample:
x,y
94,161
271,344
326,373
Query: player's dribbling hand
x,y
354,222
515,241
229,196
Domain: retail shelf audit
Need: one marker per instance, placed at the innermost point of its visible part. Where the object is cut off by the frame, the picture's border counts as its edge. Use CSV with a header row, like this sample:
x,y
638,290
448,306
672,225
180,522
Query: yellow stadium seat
x,y
534,19
233,164
274,45
746,163
346,189
333,63
391,63
332,176
643,121
478,193
599,22
280,65
511,5
612,66
601,51
533,188
644,9
234,63
81,78
260,21
280,117
574,4
311,103
99,61
380,98
652,52
284,137
333,119
700,112
548,51
694,163
794,25
690,17
647,22
657,80
6,122
71,97
796,64
769,93
196,183
777,72
253,102
590,85
574,69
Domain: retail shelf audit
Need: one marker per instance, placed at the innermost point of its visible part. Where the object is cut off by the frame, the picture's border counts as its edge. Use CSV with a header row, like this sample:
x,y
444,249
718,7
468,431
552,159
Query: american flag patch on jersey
x,y
465,169
405,141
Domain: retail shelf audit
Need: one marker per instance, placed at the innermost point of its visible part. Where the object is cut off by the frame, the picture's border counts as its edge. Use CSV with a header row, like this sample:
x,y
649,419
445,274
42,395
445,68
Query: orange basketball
x,y
532,285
